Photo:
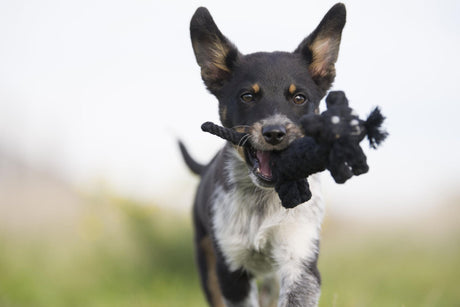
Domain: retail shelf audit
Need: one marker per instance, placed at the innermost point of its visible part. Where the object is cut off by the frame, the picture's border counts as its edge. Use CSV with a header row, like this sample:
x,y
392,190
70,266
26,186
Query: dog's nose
x,y
274,134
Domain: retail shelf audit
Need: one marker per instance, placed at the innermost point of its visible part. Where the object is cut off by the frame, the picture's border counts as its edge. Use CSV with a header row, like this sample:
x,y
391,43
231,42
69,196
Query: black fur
x,y
261,94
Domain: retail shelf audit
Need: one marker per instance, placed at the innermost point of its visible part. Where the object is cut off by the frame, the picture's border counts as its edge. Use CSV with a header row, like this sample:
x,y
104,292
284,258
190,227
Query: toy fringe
x,y
375,133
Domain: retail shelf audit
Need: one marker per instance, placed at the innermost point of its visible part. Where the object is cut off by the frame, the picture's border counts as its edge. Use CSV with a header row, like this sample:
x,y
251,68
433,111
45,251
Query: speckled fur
x,y
237,212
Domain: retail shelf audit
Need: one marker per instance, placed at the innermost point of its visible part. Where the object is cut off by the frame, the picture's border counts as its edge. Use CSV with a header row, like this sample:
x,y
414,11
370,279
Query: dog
x,y
242,233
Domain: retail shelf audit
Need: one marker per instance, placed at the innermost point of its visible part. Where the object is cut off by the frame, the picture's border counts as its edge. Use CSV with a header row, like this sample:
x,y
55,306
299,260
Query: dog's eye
x,y
299,99
247,97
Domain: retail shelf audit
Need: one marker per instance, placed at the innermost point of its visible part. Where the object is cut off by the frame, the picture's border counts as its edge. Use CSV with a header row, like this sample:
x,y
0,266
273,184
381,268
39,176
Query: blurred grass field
x,y
117,252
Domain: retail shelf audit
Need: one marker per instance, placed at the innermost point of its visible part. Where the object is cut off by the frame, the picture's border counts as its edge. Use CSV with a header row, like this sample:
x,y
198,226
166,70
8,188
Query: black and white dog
x,y
241,230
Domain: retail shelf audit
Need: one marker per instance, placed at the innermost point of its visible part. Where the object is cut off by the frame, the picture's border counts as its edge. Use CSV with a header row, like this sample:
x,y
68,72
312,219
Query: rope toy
x,y
331,142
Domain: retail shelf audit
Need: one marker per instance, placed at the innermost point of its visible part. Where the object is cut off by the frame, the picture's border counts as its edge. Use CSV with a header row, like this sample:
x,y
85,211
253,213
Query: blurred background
x,y
95,198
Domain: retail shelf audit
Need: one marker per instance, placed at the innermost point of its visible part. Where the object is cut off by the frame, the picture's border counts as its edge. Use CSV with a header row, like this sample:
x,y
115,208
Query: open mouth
x,y
260,164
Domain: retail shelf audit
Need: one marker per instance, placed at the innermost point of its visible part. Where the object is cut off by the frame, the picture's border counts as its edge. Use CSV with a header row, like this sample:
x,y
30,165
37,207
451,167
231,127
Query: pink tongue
x,y
264,163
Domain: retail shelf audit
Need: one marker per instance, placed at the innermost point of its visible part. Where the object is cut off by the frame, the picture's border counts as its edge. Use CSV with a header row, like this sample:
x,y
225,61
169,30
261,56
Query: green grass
x,y
391,271
125,254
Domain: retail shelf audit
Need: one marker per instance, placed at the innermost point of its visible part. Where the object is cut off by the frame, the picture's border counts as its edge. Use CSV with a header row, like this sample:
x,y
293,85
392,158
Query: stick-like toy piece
x,y
230,135
331,141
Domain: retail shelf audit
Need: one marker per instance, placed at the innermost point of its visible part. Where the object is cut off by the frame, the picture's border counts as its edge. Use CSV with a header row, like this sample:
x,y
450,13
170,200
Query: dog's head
x,y
263,93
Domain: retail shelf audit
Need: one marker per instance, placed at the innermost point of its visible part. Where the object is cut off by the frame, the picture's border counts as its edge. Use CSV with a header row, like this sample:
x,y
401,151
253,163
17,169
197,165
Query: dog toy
x,y
340,127
331,142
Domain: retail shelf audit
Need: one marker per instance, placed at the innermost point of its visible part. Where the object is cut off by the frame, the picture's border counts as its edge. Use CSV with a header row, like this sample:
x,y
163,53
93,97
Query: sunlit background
x,y
95,94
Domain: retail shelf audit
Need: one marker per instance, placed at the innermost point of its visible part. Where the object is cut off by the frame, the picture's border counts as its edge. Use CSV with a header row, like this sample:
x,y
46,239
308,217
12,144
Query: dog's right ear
x,y
215,54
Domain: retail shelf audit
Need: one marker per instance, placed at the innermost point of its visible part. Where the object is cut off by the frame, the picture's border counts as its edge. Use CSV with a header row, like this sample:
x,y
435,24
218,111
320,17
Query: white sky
x,y
102,89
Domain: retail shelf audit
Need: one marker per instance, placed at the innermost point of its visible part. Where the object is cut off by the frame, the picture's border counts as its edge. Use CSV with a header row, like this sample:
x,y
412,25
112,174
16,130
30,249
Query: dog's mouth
x,y
260,164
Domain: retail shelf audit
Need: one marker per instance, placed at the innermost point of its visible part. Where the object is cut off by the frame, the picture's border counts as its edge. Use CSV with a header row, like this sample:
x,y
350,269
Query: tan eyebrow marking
x,y
292,89
256,88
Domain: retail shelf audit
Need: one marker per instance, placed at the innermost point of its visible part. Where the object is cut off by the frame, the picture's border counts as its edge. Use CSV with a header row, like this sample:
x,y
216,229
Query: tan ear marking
x,y
292,89
325,52
219,53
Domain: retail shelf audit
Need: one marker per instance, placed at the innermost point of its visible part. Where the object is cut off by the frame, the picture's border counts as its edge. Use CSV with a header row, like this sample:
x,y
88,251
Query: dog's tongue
x,y
264,163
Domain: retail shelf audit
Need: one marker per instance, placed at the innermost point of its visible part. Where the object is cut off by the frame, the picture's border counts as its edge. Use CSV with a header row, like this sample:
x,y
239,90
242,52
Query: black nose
x,y
274,134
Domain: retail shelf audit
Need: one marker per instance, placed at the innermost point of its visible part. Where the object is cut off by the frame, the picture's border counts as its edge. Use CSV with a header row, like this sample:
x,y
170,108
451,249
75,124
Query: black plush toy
x,y
340,127
331,141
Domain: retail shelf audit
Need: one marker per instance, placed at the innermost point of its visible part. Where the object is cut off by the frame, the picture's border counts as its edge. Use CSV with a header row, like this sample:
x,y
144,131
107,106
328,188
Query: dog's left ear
x,y
321,47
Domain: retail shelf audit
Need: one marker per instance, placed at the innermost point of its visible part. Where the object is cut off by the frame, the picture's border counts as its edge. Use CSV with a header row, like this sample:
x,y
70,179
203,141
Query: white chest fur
x,y
256,233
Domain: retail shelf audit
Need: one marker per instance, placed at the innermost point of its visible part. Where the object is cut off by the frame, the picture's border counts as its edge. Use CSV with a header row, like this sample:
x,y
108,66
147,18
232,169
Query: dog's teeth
x,y
258,170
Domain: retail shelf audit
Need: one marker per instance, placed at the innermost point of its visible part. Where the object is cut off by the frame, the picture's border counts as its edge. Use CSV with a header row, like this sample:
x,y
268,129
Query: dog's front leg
x,y
300,285
238,287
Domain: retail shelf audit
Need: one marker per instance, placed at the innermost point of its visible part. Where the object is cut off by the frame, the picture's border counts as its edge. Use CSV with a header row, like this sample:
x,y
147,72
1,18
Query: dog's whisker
x,y
244,140
240,143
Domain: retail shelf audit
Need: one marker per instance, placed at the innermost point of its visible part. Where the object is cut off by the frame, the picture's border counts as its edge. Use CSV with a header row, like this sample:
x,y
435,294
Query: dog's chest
x,y
256,233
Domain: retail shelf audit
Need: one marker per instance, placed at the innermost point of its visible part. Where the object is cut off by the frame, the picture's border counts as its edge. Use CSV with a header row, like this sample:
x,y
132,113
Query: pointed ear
x,y
321,48
215,54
